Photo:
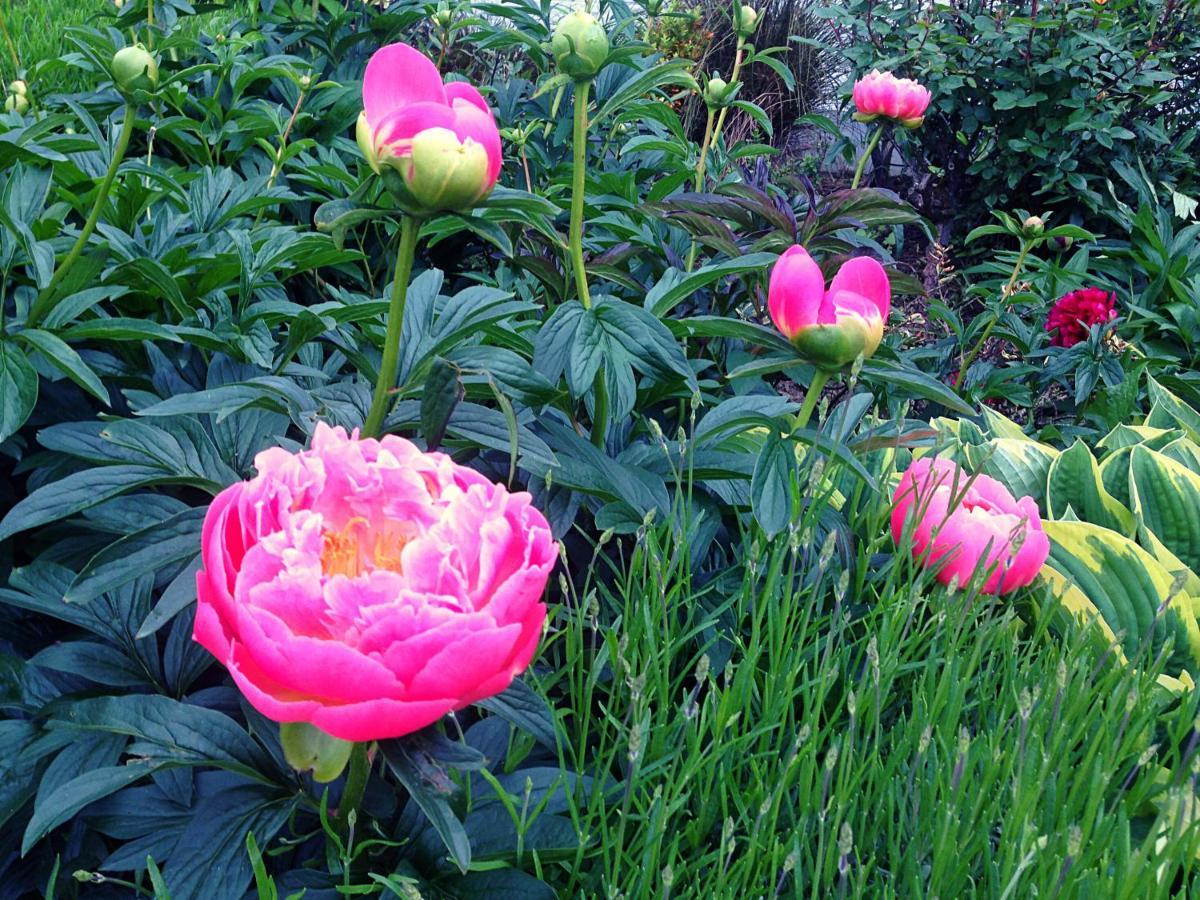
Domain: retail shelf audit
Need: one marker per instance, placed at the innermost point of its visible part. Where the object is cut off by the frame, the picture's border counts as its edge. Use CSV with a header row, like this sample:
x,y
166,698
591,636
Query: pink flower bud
x,y
404,97
830,328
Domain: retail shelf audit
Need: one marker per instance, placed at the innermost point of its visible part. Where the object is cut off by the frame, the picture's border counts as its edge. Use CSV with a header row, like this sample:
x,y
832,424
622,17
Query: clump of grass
x,y
800,727
36,34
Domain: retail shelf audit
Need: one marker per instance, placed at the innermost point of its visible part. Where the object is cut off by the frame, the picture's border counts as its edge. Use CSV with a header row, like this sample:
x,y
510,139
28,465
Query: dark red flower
x,y
1073,315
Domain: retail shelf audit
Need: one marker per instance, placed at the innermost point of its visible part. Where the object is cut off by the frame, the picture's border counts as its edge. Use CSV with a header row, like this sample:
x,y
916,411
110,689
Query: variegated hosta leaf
x,y
1001,426
1132,435
1074,481
1114,475
1020,465
1142,604
1169,411
1165,496
1184,451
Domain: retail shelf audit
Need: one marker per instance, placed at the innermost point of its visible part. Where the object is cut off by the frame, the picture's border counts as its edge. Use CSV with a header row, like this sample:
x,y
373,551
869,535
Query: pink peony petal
x,y
396,130
864,276
796,291
398,76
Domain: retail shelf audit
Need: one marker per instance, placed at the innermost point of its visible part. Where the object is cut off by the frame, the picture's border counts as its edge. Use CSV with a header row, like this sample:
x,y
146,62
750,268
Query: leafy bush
x,y
1045,100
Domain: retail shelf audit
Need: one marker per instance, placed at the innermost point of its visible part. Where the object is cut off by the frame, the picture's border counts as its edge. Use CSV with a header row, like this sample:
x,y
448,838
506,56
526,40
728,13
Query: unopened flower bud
x,y
1033,226
443,18
579,45
1062,242
17,99
717,92
134,69
745,21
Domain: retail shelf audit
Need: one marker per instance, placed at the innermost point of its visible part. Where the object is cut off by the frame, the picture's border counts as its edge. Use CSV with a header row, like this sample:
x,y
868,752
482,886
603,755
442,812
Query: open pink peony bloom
x,y
968,525
441,138
369,588
883,94
830,328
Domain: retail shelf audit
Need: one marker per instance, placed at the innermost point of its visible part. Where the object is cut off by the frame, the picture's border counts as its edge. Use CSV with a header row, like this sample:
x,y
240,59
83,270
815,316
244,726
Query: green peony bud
x,y
17,99
716,92
745,21
1033,226
579,45
441,173
307,747
134,69
443,18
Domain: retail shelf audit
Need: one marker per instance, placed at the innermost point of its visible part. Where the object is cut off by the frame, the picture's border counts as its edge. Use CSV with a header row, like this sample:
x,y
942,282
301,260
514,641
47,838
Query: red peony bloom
x,y
1073,315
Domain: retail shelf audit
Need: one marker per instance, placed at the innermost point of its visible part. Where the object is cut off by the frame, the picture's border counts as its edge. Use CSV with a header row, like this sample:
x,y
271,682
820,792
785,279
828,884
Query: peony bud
x,y
443,18
17,99
1062,242
1033,226
579,45
443,173
306,747
366,141
717,92
134,69
745,21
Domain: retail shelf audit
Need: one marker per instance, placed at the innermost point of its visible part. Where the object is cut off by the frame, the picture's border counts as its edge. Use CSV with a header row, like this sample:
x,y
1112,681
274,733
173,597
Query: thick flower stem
x,y
409,229
578,180
1018,267
819,379
45,301
356,783
578,176
866,154
701,164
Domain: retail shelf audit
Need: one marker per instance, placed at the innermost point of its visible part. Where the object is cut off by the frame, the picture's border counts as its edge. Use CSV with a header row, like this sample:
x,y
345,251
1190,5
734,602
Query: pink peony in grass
x,y
369,588
1072,316
441,138
881,94
967,524
829,328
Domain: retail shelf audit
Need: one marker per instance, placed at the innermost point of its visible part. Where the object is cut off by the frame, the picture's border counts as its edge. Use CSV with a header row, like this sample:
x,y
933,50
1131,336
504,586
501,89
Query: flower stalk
x,y
45,301
1018,267
811,397
866,154
406,251
356,782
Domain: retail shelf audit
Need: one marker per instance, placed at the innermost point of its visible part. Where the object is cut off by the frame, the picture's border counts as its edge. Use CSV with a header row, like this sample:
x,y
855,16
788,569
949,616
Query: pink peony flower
x,y
969,524
369,588
883,94
1073,315
830,328
441,138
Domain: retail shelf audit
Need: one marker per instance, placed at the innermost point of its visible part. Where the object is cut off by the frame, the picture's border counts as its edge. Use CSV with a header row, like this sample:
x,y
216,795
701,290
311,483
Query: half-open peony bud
x,y
829,328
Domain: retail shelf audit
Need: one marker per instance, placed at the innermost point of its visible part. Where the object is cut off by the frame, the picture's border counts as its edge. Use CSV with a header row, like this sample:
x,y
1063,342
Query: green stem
x,y
409,229
150,24
45,301
866,154
701,164
811,397
578,181
1018,267
356,782
578,176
